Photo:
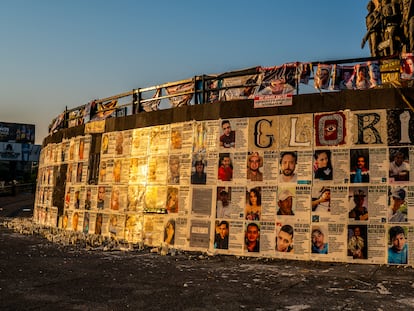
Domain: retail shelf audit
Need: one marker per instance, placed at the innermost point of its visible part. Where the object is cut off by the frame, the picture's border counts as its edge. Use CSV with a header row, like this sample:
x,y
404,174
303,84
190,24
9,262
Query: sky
x,y
56,54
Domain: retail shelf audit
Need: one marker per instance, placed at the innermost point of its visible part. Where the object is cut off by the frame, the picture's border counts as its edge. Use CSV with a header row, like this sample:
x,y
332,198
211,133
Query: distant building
x,y
19,155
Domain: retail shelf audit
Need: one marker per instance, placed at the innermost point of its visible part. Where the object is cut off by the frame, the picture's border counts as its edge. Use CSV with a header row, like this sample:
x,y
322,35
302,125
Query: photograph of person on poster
x,y
288,162
399,169
323,202
221,238
88,199
359,166
199,176
253,208
174,170
101,197
228,138
172,200
322,166
254,163
223,203
115,199
284,239
225,170
318,241
119,143
98,223
357,242
105,143
169,232
117,171
397,252
397,212
252,237
360,211
285,203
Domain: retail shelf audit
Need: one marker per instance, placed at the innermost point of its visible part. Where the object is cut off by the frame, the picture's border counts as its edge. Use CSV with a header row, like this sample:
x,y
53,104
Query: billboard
x,y
17,132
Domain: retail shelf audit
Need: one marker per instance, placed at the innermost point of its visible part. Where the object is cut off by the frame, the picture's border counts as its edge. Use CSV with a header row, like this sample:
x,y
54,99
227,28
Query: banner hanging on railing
x,y
180,100
104,110
152,105
243,87
277,87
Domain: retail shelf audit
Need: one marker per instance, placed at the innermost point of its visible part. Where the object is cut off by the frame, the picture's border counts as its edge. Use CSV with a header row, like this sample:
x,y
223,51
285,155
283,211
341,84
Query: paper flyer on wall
x,y
184,202
378,165
81,172
201,203
267,238
181,139
116,225
108,145
401,159
140,142
155,199
120,172
95,222
327,203
230,202
103,197
89,198
204,168
119,198
358,242
84,148
106,170
157,169
123,140
376,202
134,224
181,234
172,205
136,201
153,229
228,236
373,242
185,168
239,168
199,234
138,170
205,136
268,202
340,165
233,134
270,166
174,166
159,139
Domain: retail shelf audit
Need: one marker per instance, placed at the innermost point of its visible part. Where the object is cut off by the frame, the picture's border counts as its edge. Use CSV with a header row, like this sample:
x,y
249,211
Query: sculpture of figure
x,y
407,24
391,24
373,23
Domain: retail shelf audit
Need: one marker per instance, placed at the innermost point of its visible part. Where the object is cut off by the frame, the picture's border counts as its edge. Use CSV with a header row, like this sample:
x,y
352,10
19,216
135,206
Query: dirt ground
x,y
38,275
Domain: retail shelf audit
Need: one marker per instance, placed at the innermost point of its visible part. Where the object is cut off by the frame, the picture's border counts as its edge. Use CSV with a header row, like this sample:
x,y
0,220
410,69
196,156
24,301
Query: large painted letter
x,y
330,129
293,142
370,119
405,121
263,140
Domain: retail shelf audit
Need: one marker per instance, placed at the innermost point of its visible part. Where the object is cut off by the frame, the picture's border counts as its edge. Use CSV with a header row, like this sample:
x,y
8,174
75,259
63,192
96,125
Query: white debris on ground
x,y
79,239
